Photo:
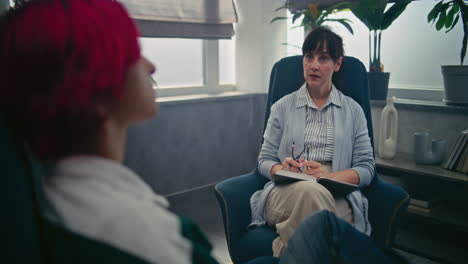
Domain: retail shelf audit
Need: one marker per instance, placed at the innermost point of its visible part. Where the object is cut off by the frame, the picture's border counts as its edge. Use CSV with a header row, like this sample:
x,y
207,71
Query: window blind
x,y
205,19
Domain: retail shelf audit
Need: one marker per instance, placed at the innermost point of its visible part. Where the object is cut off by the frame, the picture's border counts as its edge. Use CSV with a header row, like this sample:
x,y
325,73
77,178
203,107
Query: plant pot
x,y
455,84
378,85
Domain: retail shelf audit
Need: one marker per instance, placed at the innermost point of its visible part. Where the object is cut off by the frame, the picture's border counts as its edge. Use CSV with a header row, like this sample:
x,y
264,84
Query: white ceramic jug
x,y
388,130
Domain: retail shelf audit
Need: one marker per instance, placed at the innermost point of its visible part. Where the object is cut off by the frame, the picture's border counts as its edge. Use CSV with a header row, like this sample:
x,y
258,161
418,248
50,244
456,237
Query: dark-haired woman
x,y
328,132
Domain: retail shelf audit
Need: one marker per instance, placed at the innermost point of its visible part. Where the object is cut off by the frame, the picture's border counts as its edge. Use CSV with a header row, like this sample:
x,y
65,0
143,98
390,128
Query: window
x,y
179,62
227,62
191,66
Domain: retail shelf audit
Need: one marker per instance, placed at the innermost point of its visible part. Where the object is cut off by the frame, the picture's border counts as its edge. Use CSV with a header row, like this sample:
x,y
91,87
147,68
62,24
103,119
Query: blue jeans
x,y
325,238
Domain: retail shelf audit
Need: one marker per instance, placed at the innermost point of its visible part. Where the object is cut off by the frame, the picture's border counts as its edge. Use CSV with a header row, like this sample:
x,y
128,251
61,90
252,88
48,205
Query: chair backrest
x,y
28,237
19,221
287,76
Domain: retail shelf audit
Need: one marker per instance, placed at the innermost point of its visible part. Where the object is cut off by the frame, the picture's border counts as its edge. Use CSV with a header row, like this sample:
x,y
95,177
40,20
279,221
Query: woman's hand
x,y
292,165
315,169
288,164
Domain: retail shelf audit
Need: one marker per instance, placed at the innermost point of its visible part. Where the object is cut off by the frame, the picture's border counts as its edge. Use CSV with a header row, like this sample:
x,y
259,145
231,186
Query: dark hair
x,y
321,37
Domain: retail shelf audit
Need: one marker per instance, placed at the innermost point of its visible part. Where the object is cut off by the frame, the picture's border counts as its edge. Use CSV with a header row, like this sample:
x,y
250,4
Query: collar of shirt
x,y
303,98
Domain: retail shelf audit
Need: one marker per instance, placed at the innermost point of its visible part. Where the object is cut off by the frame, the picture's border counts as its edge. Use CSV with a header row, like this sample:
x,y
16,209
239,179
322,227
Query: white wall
x,y
258,43
412,49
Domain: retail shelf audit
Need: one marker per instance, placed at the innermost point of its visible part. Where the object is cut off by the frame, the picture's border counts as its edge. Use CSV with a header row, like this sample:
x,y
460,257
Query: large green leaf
x,y
393,13
370,12
464,15
278,18
453,24
359,10
378,18
296,16
441,22
362,14
343,21
448,21
434,12
279,8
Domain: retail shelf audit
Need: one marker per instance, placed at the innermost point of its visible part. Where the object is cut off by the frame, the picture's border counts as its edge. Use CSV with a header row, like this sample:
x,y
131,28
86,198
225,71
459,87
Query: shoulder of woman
x,y
285,101
350,102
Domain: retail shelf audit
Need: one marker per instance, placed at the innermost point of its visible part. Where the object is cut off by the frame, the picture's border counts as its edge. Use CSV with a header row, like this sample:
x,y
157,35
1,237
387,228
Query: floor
x,y
201,206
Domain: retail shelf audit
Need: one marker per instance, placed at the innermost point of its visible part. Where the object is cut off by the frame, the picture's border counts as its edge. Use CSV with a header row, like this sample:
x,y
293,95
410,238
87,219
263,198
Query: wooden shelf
x,y
404,163
440,213
440,251
446,223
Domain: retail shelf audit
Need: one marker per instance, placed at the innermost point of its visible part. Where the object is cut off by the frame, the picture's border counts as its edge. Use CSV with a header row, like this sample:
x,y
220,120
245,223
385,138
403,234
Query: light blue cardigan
x,y
352,149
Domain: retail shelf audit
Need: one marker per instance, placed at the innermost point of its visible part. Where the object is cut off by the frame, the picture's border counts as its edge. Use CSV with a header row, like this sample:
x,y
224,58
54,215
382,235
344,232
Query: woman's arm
x,y
268,160
363,154
268,157
348,175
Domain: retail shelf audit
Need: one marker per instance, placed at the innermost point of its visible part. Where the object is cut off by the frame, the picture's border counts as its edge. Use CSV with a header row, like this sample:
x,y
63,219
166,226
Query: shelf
x,y
422,105
456,217
440,251
404,162
444,228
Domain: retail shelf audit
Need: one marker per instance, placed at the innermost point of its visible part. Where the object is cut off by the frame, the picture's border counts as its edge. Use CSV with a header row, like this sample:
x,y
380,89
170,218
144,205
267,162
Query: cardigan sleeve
x,y
363,155
268,156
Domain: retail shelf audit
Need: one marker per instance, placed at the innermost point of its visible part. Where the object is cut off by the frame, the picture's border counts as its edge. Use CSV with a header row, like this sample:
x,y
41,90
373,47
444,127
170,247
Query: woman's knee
x,y
310,187
313,192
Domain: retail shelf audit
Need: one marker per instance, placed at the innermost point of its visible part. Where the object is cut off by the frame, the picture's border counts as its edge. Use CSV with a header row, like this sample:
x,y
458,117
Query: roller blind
x,y
301,4
206,19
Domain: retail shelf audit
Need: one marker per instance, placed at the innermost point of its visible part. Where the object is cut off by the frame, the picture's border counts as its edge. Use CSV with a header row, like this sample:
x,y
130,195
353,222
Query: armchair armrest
x,y
386,204
233,196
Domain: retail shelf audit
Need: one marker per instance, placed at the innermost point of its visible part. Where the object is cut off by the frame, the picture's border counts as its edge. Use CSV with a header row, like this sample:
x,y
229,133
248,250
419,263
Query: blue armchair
x,y
386,201
27,236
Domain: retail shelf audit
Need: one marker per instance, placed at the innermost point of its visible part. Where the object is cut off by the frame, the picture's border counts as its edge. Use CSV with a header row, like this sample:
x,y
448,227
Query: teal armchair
x,y
386,201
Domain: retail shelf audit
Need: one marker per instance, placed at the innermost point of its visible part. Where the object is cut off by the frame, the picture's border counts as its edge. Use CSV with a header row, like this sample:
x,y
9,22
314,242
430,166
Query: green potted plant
x,y
446,14
375,15
313,15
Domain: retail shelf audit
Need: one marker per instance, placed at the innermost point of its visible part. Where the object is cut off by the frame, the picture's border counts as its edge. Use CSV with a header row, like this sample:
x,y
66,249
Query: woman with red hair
x,y
73,80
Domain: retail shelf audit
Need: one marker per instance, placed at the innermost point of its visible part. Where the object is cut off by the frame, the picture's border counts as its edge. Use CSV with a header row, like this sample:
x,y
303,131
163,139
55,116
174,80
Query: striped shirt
x,y
320,129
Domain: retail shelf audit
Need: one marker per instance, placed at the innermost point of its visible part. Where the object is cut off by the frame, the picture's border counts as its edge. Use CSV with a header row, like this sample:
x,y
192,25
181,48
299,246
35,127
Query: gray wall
x,y
195,143
443,123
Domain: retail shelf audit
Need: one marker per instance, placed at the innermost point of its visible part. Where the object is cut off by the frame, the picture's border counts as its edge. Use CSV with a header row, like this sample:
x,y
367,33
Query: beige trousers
x,y
289,204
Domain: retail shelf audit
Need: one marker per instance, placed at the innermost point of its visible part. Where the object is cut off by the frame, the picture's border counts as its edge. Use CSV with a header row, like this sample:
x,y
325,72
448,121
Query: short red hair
x,y
58,59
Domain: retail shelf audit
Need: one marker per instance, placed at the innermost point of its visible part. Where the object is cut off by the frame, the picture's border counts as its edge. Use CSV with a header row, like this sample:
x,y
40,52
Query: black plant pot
x,y
455,82
378,85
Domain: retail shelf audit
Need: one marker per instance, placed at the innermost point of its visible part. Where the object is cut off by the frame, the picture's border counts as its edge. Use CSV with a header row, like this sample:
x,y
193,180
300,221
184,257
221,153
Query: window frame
x,y
211,81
